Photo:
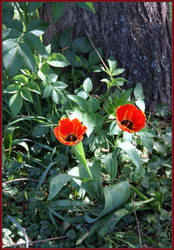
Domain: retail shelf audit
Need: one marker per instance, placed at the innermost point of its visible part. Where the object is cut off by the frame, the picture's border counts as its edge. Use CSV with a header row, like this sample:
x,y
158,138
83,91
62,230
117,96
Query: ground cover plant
x,y
79,168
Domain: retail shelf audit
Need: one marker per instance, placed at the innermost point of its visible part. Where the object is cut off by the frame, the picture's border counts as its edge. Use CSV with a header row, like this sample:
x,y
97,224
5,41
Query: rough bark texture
x,y
138,35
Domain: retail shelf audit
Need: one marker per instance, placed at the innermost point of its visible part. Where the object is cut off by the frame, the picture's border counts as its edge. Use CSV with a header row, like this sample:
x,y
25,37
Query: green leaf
x,y
138,91
93,57
81,44
93,104
83,104
117,72
60,85
25,93
40,130
141,104
57,183
87,85
147,142
32,6
57,10
55,96
44,71
35,43
89,121
115,196
86,6
8,12
21,78
132,153
37,27
34,87
52,77
65,37
10,33
12,88
27,56
15,103
47,91
73,58
112,63
118,81
57,60
15,24
11,56
110,162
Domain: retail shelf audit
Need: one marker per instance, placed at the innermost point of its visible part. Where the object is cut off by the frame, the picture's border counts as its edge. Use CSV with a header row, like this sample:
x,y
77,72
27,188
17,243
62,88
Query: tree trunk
x,y
138,35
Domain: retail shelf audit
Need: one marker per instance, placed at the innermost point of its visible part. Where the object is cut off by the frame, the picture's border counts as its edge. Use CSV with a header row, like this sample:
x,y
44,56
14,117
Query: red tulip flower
x,y
130,118
70,132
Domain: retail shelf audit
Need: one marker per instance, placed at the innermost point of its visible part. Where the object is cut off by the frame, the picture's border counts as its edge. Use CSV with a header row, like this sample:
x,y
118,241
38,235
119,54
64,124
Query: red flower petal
x,y
70,132
130,114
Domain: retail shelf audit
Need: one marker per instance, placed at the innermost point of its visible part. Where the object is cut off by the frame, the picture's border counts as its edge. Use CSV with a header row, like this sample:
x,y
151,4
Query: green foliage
x,y
47,191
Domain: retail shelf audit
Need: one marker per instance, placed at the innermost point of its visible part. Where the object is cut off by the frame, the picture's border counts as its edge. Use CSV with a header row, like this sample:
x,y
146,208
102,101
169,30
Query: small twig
x,y
138,226
96,51
38,241
20,179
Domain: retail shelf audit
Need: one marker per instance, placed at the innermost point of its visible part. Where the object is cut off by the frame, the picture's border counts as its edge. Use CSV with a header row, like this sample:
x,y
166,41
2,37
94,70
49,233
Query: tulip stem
x,y
79,152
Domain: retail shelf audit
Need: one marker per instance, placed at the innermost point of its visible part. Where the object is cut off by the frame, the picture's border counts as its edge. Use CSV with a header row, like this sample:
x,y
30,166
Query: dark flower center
x,y
71,138
127,123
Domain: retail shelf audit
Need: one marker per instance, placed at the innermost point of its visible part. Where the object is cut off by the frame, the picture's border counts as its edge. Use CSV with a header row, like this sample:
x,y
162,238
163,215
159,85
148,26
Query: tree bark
x,y
138,35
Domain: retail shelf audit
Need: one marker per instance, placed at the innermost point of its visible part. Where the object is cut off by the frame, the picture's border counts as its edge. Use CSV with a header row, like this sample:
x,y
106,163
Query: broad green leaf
x,y
11,56
8,12
127,136
44,71
32,6
37,27
87,85
83,104
57,183
86,6
35,43
112,63
110,163
117,71
93,104
132,153
40,130
52,77
15,103
26,94
55,96
89,120
12,88
138,91
57,10
34,87
65,37
47,91
27,56
118,81
10,33
81,44
115,196
93,57
15,24
57,60
21,78
60,85
73,58
141,104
